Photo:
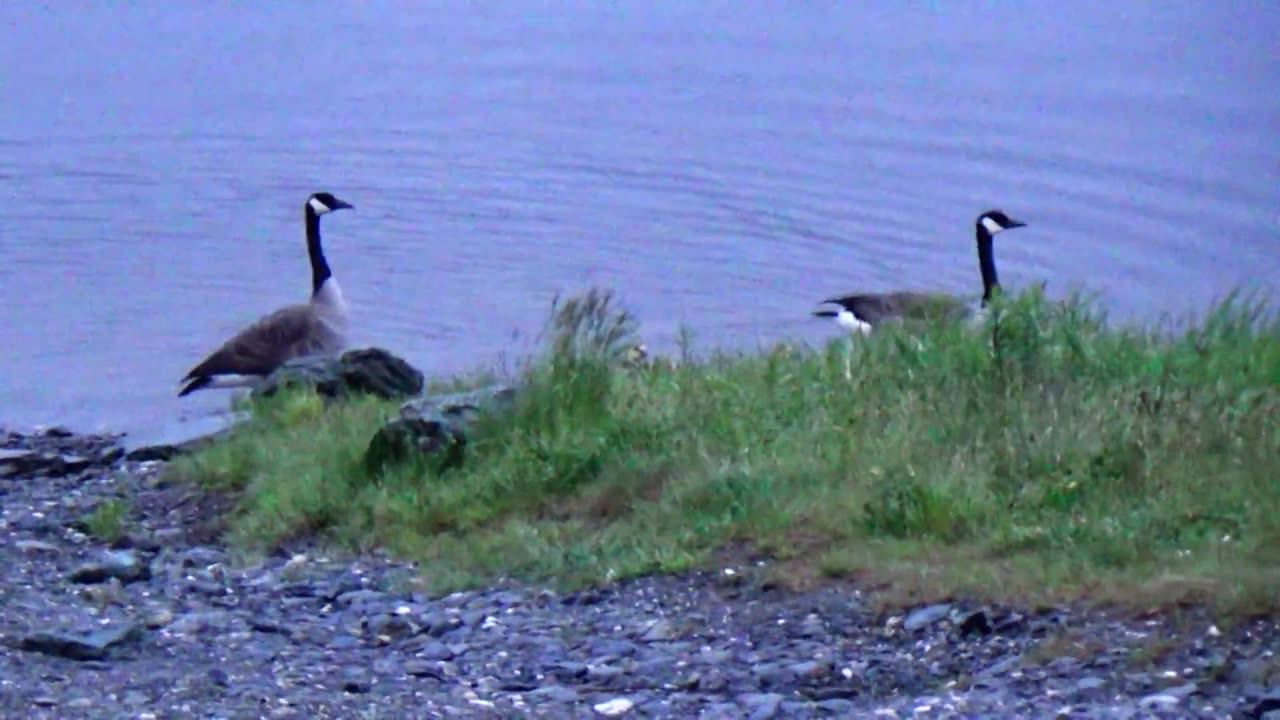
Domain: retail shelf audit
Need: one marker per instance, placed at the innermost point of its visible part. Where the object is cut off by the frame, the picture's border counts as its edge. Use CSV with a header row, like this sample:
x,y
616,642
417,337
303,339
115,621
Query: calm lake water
x,y
723,165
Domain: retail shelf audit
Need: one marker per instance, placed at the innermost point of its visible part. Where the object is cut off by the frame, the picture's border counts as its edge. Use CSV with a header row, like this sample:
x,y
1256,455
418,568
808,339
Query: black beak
x,y
342,205
1014,224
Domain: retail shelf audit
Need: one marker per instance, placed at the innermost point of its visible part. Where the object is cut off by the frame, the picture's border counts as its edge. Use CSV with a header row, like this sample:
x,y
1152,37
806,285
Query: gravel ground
x,y
164,623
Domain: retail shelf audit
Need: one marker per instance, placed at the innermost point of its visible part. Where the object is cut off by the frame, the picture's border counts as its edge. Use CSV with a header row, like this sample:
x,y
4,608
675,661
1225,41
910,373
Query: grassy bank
x,y
1045,456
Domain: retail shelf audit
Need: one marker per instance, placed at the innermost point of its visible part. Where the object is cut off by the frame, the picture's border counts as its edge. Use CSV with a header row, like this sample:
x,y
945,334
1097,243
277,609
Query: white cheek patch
x,y
319,207
992,226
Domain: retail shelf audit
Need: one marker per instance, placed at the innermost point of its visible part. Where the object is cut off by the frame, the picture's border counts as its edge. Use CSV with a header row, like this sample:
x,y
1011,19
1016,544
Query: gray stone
x,y
435,650
360,597
199,622
424,668
81,646
925,616
1183,691
122,565
265,625
555,693
713,681
356,685
615,707
1002,667
397,627
613,648
833,692
569,670
1064,665
208,588
1253,670
1090,684
810,670
36,546
1158,701
721,711
813,626
760,706
714,657
440,624
201,556
503,598
659,631
368,371
772,675
603,673
838,707
158,618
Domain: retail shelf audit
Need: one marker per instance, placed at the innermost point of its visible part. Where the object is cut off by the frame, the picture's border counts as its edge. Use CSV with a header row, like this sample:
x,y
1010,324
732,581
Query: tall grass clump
x,y
1044,451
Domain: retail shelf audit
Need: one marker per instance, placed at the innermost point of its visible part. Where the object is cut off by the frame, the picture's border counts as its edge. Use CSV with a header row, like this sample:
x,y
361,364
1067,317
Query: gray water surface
x,y
723,165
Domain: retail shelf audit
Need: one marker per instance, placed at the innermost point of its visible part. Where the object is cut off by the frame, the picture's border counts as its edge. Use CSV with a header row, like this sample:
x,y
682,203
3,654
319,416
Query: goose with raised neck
x,y
316,327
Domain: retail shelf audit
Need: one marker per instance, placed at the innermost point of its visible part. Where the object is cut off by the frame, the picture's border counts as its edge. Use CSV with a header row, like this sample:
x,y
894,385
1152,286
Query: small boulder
x,y
615,707
405,438
93,645
122,565
922,618
434,428
370,371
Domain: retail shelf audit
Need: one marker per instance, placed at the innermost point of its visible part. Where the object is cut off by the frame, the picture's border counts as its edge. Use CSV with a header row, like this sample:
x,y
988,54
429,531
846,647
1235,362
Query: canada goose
x,y
860,313
314,327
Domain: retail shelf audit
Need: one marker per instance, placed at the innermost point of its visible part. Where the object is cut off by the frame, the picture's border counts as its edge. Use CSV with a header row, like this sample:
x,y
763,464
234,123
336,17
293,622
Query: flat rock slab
x,y
94,645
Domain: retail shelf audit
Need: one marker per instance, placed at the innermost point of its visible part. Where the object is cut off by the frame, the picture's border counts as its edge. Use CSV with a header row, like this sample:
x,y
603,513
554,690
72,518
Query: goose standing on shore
x,y
315,327
860,313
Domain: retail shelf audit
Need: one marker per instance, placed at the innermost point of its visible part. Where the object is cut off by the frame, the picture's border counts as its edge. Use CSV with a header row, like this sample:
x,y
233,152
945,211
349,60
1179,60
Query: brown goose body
x,y
903,305
315,327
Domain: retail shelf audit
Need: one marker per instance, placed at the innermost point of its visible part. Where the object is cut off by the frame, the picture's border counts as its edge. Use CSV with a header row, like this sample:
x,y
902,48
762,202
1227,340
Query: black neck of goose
x,y
987,264
319,266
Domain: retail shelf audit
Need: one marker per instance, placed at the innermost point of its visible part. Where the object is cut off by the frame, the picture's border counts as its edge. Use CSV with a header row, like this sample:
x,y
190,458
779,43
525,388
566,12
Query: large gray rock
x,y
435,427
371,371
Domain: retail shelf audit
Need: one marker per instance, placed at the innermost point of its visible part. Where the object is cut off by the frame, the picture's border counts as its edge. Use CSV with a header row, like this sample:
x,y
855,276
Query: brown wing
x,y
263,346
